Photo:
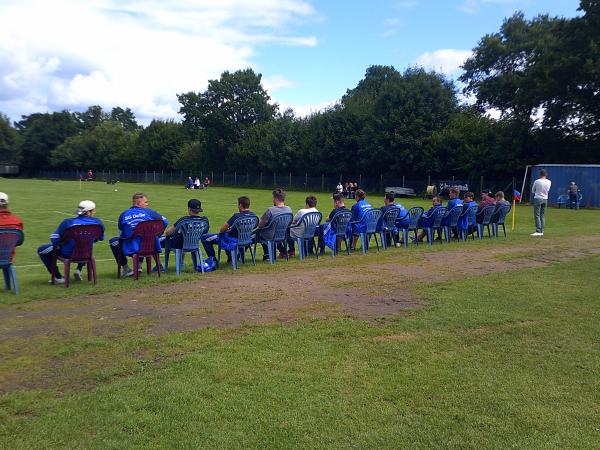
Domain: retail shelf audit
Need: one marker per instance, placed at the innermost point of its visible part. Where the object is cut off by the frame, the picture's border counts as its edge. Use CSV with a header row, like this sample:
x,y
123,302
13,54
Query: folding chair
x,y
9,239
83,237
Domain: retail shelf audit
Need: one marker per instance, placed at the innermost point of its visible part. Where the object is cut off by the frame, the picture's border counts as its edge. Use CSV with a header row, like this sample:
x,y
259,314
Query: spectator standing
x,y
540,191
573,194
8,219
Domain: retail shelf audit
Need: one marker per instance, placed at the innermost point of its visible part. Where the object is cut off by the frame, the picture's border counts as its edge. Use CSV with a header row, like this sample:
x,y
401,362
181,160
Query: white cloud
x,y
276,83
446,61
132,53
305,110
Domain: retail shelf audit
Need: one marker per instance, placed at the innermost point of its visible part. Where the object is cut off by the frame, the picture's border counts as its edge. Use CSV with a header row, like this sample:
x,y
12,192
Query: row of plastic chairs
x,y
279,229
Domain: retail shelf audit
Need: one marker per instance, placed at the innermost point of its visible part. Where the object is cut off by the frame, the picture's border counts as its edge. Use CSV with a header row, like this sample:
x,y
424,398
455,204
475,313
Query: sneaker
x,y
265,257
127,272
57,281
398,244
77,275
536,234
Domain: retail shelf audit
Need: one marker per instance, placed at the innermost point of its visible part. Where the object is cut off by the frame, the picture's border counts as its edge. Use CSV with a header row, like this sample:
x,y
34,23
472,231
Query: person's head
x,y
389,198
86,208
437,200
311,201
543,173
469,196
140,200
3,200
278,196
499,195
572,183
243,203
453,192
360,195
338,200
486,193
194,207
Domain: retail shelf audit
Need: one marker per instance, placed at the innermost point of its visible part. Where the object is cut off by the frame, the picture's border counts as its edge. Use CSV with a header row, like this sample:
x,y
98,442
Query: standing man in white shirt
x,y
540,190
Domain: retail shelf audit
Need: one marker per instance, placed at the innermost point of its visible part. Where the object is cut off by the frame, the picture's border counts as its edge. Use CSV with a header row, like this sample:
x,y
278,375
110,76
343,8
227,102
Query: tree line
x,y
542,76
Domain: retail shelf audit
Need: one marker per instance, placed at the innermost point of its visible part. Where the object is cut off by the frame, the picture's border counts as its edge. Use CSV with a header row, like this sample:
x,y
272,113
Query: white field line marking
x,y
41,265
73,215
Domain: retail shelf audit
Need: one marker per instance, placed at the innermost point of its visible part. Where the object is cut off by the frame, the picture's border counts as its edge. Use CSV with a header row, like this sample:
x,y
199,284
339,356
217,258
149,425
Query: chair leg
x,y
6,273
178,260
377,243
92,268
405,237
199,256
504,229
252,254
300,245
136,265
167,251
67,272
234,257
13,277
157,260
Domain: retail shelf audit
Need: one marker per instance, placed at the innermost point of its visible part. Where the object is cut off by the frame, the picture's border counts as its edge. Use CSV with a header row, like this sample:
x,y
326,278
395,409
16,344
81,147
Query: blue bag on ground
x,y
210,264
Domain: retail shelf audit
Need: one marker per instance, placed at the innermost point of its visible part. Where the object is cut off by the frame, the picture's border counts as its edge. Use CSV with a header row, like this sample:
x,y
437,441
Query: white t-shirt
x,y
540,188
298,232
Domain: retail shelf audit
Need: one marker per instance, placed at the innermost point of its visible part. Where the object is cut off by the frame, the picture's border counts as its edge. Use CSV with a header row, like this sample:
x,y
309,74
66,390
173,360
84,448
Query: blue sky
x,y
141,53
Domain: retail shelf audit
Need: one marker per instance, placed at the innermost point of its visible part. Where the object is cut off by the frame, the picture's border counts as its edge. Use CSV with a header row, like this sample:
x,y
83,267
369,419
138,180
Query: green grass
x,y
504,359
481,367
43,204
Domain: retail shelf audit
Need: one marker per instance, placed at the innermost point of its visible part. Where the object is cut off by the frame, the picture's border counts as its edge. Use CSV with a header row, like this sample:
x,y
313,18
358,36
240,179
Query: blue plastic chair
x,y
498,219
245,227
340,222
486,215
310,221
279,225
562,200
192,230
369,219
388,223
453,215
414,216
438,215
469,215
9,239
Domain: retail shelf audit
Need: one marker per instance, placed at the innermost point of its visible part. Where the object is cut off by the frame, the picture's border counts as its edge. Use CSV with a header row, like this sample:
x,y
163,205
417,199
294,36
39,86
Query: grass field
x,y
477,345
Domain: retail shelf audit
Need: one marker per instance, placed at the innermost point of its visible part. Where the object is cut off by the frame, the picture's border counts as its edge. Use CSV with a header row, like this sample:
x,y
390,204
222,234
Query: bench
x,y
400,191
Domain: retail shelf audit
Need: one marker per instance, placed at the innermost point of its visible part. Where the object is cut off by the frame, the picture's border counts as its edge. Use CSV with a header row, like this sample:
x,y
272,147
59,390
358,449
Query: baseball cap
x,y
85,206
195,205
3,198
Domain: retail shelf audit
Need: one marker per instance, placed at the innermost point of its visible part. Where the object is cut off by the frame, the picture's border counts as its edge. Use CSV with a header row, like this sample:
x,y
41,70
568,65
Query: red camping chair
x,y
83,237
148,232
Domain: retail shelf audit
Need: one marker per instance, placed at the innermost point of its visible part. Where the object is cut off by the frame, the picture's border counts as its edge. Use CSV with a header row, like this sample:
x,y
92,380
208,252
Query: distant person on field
x,y
197,183
122,246
573,194
359,210
8,219
279,207
540,190
228,236
190,183
90,175
339,188
85,212
206,182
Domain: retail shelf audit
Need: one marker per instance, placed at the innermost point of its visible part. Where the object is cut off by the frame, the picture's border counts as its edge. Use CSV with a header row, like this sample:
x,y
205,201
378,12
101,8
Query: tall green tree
x,y
125,117
159,144
9,149
226,111
42,133
91,117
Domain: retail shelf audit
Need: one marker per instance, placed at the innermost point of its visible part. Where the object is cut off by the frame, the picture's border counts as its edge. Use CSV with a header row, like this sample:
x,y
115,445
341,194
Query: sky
x,y
70,54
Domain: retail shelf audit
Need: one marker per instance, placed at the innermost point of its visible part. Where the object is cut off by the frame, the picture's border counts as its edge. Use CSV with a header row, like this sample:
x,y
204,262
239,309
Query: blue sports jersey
x,y
426,218
358,212
451,204
462,222
127,222
66,249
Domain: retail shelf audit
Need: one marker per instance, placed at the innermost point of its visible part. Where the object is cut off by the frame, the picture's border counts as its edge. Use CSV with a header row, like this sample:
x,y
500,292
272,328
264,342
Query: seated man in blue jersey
x,y
463,222
389,203
85,211
358,211
454,200
174,239
122,245
427,217
338,206
228,237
